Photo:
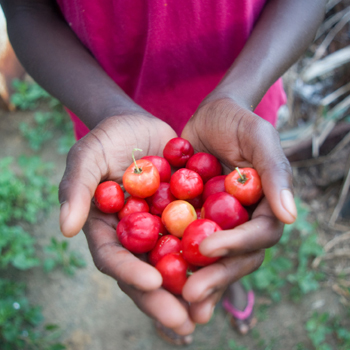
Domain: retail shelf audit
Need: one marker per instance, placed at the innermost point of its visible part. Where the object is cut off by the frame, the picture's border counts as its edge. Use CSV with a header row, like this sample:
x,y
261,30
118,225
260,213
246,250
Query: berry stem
x,y
242,178
239,173
189,273
138,170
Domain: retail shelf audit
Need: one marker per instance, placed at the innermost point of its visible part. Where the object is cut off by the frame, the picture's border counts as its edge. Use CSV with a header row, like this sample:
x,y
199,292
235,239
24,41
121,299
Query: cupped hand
x,y
104,154
238,137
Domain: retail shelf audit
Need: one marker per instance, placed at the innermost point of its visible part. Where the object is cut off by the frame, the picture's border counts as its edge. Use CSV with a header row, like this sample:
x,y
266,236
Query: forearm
x,y
281,34
57,60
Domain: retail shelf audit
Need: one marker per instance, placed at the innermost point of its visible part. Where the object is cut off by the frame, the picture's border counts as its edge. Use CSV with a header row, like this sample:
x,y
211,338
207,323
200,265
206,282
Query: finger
x,y
163,307
263,231
114,260
219,275
84,169
202,311
273,167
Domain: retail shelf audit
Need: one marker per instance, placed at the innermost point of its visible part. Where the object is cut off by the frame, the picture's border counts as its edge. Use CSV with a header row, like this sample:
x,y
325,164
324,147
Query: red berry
x,y
138,232
205,164
165,245
196,202
245,185
194,234
178,151
214,185
162,165
177,216
225,210
142,180
186,184
162,229
160,199
109,197
133,205
174,269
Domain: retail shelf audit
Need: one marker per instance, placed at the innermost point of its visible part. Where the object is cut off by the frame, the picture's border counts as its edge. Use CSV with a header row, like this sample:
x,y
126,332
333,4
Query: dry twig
x,y
341,200
321,50
329,245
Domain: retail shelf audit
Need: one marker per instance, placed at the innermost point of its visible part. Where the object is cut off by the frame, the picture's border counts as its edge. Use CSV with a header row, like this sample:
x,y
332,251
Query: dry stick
x,y
331,4
341,200
330,36
317,140
343,237
329,245
310,162
335,113
345,271
326,65
335,95
340,253
330,22
338,289
340,227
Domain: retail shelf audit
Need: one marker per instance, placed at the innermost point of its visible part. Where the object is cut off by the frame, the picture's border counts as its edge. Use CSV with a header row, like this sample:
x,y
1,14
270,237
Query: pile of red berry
x,y
168,215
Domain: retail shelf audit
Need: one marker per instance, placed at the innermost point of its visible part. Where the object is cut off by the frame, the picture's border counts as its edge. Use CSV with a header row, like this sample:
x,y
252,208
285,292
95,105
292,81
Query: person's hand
x,y
105,154
238,137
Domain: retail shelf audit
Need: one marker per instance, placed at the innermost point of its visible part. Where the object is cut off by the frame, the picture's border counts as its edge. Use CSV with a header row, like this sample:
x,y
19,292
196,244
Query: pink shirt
x,y
167,55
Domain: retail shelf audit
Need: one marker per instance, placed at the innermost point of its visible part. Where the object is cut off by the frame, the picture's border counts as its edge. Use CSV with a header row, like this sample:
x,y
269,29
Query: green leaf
x,y
49,264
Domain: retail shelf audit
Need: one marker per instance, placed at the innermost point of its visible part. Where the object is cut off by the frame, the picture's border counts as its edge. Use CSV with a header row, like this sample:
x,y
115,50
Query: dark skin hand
x,y
223,125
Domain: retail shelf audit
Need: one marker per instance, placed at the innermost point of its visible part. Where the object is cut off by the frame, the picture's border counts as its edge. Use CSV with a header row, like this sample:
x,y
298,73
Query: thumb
x,y
276,175
77,187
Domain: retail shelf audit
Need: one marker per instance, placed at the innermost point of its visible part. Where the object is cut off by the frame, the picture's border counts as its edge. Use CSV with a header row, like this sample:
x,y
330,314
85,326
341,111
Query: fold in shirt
x,y
167,55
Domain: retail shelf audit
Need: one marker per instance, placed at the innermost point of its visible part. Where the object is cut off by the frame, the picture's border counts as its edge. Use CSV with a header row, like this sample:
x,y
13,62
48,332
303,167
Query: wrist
x,y
244,88
223,95
114,110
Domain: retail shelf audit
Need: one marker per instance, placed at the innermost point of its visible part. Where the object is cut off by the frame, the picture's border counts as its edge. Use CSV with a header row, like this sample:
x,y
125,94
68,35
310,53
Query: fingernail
x,y
188,339
212,253
206,294
288,203
64,212
185,329
210,311
218,252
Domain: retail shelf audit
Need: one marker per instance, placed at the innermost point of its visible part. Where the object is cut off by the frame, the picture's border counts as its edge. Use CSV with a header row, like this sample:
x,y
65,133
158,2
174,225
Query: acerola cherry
x,y
109,197
160,199
194,234
133,205
186,184
165,245
245,185
205,164
141,179
225,210
162,230
138,232
174,270
177,216
178,151
162,166
196,202
214,185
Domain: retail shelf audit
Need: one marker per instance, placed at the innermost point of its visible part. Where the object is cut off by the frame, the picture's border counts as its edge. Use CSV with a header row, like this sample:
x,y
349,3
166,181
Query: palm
x,y
105,154
111,144
237,137
227,131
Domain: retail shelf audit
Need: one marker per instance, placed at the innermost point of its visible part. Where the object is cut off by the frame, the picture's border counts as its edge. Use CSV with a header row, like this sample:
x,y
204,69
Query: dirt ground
x,y
94,314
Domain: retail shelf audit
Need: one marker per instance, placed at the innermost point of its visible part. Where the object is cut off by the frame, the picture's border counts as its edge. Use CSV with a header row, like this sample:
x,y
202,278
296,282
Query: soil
x,y
94,314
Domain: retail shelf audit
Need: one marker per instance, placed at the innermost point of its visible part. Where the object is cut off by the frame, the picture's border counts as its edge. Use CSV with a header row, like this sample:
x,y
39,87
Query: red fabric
x,y
167,55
